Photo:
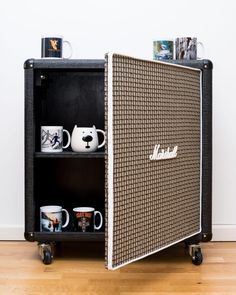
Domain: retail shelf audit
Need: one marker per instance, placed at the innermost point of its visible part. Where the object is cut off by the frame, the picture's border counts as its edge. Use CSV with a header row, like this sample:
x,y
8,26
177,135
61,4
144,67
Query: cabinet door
x,y
153,157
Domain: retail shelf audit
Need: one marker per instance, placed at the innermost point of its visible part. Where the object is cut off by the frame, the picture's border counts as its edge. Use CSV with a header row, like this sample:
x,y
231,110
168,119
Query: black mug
x,y
84,219
52,47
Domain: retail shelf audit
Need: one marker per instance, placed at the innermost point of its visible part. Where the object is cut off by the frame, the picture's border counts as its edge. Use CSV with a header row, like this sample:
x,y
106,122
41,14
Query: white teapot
x,y
85,139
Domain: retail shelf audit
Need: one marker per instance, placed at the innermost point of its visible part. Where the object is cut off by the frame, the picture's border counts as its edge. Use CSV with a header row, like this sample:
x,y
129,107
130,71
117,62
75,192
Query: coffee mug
x,y
85,139
163,49
186,48
52,139
51,218
52,47
84,219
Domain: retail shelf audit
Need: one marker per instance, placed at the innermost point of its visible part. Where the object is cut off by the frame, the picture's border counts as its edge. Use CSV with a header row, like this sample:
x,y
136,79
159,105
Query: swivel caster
x,y
47,257
196,254
45,252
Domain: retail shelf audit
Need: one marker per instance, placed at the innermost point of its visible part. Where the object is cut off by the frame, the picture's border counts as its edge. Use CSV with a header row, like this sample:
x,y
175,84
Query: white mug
x,y
163,49
85,139
52,139
186,48
51,218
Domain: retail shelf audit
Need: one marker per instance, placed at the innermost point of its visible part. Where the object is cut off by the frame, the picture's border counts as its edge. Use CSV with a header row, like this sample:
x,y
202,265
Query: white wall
x,y
95,27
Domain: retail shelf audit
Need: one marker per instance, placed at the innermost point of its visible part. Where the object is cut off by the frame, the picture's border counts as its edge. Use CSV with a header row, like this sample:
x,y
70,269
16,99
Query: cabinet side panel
x,y
206,66
207,154
29,152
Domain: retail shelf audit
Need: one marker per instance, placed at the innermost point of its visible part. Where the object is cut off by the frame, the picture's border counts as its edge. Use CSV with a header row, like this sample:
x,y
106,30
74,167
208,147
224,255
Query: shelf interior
x,y
66,97
70,183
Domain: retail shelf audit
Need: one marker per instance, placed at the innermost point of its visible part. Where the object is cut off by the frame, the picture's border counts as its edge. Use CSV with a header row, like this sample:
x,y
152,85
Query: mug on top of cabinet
x,y
52,46
186,48
163,49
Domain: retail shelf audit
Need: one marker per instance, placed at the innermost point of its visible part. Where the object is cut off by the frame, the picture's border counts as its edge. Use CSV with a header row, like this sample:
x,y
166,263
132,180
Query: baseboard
x,y
224,232
11,232
221,232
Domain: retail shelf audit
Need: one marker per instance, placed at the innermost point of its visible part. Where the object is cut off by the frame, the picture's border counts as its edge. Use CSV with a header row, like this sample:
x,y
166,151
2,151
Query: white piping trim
x,y
110,160
110,166
201,150
155,251
177,65
158,61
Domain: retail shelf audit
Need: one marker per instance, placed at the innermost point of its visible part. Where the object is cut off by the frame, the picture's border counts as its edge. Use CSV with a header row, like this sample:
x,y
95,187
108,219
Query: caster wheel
x,y
46,252
47,257
197,257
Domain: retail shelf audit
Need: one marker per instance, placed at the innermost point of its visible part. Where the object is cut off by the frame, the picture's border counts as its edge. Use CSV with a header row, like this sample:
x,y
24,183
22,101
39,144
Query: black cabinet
x,y
152,182
62,93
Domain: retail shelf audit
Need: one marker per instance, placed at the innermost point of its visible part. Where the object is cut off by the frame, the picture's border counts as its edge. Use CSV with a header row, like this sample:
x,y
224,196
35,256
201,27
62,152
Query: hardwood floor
x,y
79,269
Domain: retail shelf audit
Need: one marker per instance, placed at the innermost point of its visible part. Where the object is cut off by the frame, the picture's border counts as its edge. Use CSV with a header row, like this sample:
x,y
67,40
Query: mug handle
x,y
203,50
71,50
103,133
68,136
67,218
101,220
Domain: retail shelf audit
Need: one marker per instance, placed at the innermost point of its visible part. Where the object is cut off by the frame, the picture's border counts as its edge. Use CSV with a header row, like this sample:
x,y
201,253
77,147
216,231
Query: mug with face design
x,y
52,47
85,139
52,139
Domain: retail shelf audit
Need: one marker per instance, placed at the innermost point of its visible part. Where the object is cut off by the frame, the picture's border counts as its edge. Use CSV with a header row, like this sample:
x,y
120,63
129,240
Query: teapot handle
x,y
103,133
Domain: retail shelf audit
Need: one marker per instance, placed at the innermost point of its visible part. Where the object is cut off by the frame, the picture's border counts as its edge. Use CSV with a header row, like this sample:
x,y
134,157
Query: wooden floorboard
x,y
78,268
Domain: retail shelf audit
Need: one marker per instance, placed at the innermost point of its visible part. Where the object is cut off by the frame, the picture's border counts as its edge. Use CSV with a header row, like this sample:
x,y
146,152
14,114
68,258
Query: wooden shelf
x,y
70,155
69,236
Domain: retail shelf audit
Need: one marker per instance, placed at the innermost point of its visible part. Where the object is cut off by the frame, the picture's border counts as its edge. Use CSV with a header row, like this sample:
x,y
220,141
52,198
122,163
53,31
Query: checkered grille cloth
x,y
155,203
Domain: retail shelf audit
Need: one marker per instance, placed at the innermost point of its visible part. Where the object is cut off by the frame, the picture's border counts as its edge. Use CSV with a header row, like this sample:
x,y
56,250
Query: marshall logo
x,y
162,154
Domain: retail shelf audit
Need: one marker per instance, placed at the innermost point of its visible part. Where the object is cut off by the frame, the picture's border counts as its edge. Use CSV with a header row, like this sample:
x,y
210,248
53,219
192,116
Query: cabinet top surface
x,y
46,63
60,63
